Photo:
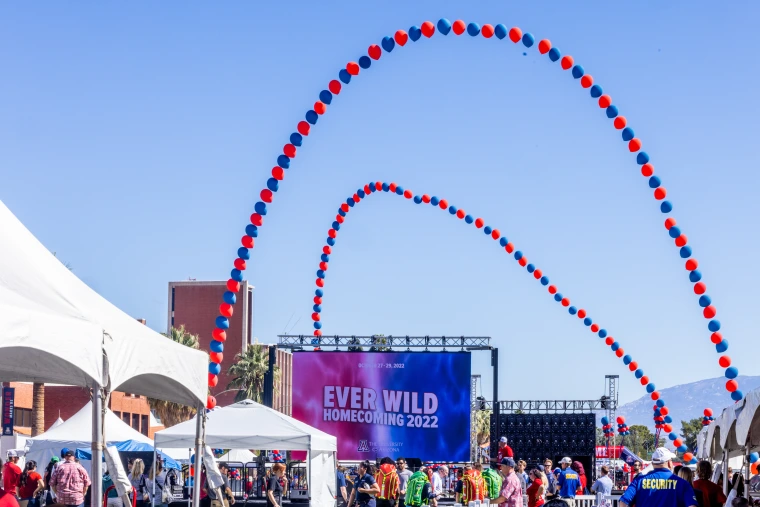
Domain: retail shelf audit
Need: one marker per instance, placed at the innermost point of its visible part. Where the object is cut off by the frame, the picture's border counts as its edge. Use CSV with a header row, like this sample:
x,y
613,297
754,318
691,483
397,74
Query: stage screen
x,y
410,404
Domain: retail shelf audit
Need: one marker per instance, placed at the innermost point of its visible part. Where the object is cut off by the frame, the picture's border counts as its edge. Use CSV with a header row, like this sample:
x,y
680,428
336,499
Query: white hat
x,y
503,439
12,454
662,455
566,460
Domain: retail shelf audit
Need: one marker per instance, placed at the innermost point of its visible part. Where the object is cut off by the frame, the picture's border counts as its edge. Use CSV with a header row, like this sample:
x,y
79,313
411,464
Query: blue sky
x,y
134,140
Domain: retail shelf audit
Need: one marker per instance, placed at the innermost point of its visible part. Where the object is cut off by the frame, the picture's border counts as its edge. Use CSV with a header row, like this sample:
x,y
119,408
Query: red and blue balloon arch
x,y
499,32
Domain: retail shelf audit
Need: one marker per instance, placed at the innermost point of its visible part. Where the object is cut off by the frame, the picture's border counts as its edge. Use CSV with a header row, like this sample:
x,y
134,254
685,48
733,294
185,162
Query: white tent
x,y
249,425
238,456
57,423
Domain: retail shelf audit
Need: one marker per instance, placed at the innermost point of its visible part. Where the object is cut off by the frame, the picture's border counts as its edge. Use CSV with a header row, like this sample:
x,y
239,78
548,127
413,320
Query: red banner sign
x,y
8,402
603,452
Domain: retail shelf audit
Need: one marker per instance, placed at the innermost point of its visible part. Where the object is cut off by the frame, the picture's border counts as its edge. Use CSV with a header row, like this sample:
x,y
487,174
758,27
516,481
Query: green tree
x,y
483,426
640,441
690,430
248,372
378,342
355,341
600,438
174,413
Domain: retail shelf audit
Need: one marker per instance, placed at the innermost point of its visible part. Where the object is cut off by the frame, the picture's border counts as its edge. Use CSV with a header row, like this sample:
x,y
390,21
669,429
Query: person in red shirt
x,y
6,499
578,467
30,485
712,494
537,488
11,474
504,451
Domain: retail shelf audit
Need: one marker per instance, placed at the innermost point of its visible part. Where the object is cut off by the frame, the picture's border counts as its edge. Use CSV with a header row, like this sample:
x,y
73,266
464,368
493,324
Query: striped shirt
x,y
70,481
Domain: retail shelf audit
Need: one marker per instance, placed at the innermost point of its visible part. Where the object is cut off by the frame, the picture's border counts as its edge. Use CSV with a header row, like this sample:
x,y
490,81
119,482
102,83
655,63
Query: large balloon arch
x,y
499,32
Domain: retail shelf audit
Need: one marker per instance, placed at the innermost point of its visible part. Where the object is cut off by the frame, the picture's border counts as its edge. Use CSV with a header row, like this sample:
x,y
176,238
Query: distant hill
x,y
686,401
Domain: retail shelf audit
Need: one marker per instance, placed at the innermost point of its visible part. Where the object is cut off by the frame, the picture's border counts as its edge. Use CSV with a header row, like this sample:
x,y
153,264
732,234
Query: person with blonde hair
x,y
155,484
137,478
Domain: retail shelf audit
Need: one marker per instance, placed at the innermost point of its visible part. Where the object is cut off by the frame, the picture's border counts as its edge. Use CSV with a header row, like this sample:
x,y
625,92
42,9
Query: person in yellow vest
x,y
387,478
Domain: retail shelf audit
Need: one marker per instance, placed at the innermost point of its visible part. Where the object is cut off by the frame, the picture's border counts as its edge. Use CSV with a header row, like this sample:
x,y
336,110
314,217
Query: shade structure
x,y
238,456
736,430
250,425
55,329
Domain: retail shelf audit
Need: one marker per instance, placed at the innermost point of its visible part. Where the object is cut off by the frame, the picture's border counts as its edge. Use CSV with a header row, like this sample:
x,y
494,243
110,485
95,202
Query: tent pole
x,y
726,478
96,490
199,424
155,476
310,486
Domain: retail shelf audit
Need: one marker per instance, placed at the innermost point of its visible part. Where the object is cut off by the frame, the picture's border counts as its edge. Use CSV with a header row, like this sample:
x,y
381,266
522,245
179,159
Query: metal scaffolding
x,y
552,406
385,343
474,407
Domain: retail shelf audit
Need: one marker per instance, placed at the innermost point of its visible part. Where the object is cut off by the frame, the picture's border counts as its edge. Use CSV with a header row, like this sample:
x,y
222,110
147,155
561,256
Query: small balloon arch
x,y
498,32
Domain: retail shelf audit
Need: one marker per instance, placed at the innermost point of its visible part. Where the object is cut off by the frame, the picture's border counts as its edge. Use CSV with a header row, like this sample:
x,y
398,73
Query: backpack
x,y
414,489
473,487
388,481
493,481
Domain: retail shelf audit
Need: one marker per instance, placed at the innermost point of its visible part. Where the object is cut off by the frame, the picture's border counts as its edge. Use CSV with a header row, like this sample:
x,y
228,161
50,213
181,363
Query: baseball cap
x,y
508,462
66,452
503,440
541,467
662,455
55,459
566,460
12,454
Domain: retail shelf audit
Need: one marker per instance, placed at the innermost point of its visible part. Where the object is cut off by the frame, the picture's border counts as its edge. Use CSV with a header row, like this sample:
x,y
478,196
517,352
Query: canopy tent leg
x,y
726,479
155,467
96,475
200,423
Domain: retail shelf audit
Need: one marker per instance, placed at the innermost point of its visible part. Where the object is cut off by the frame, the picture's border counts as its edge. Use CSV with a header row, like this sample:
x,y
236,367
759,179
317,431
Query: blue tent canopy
x,y
131,446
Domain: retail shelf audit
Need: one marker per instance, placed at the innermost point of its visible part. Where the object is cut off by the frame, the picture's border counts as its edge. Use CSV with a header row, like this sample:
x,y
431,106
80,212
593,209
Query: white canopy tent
x,y
55,329
250,425
734,433
238,456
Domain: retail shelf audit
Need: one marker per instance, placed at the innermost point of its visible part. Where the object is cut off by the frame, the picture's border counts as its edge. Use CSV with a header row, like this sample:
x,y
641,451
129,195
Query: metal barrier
x,y
590,500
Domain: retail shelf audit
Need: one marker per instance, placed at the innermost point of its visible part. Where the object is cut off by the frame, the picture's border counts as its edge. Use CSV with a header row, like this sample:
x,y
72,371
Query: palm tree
x,y
248,372
483,426
174,413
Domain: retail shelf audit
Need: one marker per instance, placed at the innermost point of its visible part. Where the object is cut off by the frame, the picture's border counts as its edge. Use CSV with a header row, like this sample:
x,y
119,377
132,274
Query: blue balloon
x,y
614,346
324,257
531,268
674,232
317,308
503,242
434,201
666,207
578,71
519,255
273,184
243,252
596,91
214,368
754,457
444,26
325,96
628,134
283,162
229,297
330,241
296,139
222,322
672,436
415,33
361,193
386,187
572,310
528,39
344,76
685,252
236,275
469,219
732,372
452,210
317,325
252,231
365,62
341,212
473,29
312,116
655,182
639,373
388,44
683,448
695,276
642,158
651,388
612,111
558,297
216,346
372,187
713,325
587,321
704,301
737,395
668,419
320,273
554,54
336,226
399,190
660,403
500,31
605,421
627,359
417,199
487,229
602,333
350,201
544,280
319,293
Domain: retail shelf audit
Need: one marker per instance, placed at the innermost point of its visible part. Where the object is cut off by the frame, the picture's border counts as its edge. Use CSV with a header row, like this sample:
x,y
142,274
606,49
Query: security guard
x,y
660,487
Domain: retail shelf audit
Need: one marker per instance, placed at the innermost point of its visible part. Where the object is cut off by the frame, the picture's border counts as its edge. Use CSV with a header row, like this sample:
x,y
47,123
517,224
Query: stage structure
x,y
379,361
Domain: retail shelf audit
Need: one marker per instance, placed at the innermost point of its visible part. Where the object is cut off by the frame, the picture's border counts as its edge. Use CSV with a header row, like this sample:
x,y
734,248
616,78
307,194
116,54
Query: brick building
x,y
195,305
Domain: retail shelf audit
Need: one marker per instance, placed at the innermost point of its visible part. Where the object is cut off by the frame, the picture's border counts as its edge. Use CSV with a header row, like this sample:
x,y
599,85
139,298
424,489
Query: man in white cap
x,y
504,451
569,482
660,487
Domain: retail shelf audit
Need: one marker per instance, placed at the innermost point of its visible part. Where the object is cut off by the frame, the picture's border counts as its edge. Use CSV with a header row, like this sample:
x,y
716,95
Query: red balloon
x,y
428,29
681,240
367,190
515,34
225,310
644,380
523,261
699,288
664,411
425,198
408,194
210,402
257,220
212,380
278,173
266,195
401,37
216,357
552,289
345,207
460,213
443,204
594,328
544,46
755,468
537,274
565,301
633,366
605,101
319,108
655,395
620,122
566,62
487,31
668,428
320,282
219,334
317,300
732,385
587,81
317,332
239,264
620,419
648,170
495,234
660,193
303,128
356,198
459,27
609,340
378,186
315,317
670,222
352,68
332,233
581,313
479,223
374,52
687,457
323,266
392,187
634,145
289,150
339,218
247,241
677,442
692,264
709,312
334,87
326,250
619,352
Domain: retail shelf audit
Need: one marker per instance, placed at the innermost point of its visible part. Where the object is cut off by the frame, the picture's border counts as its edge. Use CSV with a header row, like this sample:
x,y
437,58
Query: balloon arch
x,y
399,40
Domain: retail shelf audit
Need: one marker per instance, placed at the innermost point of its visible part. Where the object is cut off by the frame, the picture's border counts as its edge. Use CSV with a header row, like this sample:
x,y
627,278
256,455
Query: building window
x,y
22,417
136,422
126,417
145,425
